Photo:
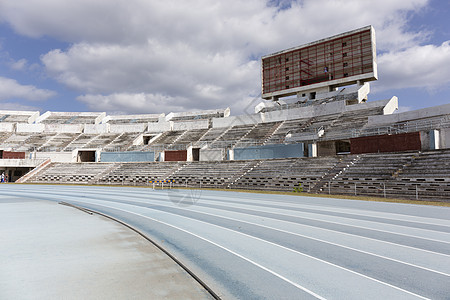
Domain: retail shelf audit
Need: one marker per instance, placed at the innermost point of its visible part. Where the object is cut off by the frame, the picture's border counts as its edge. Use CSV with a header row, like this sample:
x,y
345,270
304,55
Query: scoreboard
x,y
339,60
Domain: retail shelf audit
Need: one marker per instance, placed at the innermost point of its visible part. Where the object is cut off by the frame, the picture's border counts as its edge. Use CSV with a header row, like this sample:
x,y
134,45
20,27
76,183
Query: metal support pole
x,y
329,187
355,189
417,193
384,190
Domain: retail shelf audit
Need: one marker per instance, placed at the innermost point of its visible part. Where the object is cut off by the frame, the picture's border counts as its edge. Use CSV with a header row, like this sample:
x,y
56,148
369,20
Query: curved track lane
x,y
253,246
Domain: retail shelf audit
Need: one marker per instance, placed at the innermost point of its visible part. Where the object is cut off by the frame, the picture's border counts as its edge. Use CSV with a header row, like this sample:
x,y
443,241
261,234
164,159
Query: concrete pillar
x,y
312,150
231,154
190,156
434,139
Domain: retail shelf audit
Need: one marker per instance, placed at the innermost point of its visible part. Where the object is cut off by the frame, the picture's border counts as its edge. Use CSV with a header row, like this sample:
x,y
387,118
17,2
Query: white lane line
x,y
353,211
320,240
332,219
275,210
215,244
325,208
301,224
251,237
320,220
305,236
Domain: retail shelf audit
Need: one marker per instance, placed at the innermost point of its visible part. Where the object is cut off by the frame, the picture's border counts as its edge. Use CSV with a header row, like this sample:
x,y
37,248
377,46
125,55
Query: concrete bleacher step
x,y
177,139
333,172
105,172
72,141
404,166
174,172
35,172
243,172
244,136
276,127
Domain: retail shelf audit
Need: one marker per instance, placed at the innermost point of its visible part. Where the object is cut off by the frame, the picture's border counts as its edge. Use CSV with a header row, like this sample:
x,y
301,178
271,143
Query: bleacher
x,y
139,173
122,142
131,119
80,173
422,124
258,134
190,136
167,137
211,135
58,142
421,175
287,126
68,118
102,140
342,126
81,141
16,141
286,174
231,135
35,141
14,118
210,174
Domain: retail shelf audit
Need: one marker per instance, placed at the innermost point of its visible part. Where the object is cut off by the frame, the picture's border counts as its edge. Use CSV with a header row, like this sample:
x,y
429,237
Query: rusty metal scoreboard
x,y
336,61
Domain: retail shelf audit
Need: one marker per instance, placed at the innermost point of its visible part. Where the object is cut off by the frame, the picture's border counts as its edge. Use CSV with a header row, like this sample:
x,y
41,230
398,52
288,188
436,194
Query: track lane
x,y
280,228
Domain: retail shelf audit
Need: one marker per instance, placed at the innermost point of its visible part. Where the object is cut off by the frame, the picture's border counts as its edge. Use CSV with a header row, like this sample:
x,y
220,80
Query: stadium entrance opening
x,y
195,154
86,156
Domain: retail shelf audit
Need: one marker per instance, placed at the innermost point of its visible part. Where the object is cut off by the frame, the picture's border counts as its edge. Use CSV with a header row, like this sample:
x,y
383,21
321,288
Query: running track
x,y
254,246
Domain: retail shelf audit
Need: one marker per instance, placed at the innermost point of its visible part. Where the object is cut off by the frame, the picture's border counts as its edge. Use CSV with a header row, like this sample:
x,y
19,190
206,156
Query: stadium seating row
x,y
421,175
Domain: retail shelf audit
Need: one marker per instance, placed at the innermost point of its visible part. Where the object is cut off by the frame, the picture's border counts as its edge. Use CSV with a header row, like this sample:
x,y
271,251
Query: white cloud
x,y
197,54
17,106
19,65
419,66
11,89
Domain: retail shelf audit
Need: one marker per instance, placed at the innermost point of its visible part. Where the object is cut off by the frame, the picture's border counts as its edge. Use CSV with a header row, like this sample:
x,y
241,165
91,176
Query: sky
x,y
146,56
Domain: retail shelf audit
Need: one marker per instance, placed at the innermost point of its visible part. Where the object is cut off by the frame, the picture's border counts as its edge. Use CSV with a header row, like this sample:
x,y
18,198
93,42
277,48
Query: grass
x,y
302,194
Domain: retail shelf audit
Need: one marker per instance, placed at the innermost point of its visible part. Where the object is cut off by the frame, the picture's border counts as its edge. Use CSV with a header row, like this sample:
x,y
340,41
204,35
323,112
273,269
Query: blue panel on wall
x,y
136,156
269,151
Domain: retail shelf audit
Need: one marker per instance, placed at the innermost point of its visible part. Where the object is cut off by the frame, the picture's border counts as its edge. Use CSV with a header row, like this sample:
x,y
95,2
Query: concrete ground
x,y
51,251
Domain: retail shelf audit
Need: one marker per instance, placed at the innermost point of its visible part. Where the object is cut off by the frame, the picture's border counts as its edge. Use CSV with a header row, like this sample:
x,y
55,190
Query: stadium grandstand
x,y
315,129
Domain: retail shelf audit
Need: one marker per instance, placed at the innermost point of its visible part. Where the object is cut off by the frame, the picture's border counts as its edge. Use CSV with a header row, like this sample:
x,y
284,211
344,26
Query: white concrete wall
x,y
160,126
172,115
410,115
99,119
33,117
368,105
211,154
119,128
236,120
96,128
444,138
60,157
11,163
30,127
64,128
391,106
6,127
43,117
305,112
188,125
144,117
